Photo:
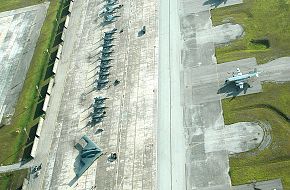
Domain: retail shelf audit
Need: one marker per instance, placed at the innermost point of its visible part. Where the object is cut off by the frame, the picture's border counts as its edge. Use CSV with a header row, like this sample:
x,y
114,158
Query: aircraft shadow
x,y
76,164
231,90
215,3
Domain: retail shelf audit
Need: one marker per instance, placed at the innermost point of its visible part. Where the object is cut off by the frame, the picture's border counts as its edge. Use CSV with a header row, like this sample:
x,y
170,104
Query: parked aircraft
x,y
110,18
240,79
89,154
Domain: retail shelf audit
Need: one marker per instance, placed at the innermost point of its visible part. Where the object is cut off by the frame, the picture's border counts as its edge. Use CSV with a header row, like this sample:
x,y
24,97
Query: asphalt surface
x,y
19,32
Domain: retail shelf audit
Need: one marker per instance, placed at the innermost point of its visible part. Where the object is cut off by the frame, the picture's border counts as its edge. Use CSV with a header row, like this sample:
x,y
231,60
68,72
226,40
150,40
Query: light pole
x,y
24,129
38,91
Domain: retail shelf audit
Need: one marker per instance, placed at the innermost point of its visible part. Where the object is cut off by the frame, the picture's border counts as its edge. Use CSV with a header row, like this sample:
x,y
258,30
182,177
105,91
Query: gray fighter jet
x,y
108,37
111,2
113,31
104,73
105,63
103,77
100,98
107,49
97,120
110,18
107,54
105,66
105,69
89,154
107,45
110,8
105,58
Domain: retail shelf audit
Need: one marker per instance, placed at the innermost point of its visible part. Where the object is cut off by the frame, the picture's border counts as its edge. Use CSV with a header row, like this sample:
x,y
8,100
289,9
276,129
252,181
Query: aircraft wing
x,y
88,155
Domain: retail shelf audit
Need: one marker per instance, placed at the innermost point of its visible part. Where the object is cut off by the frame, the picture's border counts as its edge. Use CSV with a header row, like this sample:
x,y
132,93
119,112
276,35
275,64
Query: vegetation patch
x,y
271,107
13,180
6,5
266,25
16,139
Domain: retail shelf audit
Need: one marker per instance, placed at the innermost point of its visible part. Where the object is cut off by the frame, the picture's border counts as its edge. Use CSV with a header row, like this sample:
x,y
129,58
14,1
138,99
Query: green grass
x,y
13,137
6,5
274,161
12,180
260,19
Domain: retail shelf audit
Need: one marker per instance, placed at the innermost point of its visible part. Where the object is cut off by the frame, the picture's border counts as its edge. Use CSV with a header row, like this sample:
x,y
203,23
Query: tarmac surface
x,y
193,142
192,145
19,32
129,126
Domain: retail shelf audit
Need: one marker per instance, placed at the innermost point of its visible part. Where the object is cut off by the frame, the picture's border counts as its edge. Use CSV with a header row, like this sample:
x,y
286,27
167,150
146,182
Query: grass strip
x,y
271,107
261,19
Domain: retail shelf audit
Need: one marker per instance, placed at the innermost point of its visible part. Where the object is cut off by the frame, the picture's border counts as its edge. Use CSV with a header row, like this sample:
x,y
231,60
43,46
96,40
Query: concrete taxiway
x,y
129,126
193,145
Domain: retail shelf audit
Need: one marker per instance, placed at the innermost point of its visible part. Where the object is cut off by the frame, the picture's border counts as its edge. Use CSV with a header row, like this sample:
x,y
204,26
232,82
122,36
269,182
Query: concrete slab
x,y
275,71
19,31
129,126
235,138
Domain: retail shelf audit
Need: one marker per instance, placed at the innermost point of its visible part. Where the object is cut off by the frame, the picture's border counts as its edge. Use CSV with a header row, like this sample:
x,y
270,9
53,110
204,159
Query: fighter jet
x,y
110,18
240,79
100,98
105,81
104,73
110,8
107,45
107,54
105,66
108,37
107,62
111,2
103,77
97,120
113,31
98,115
99,110
105,58
107,49
89,154
97,102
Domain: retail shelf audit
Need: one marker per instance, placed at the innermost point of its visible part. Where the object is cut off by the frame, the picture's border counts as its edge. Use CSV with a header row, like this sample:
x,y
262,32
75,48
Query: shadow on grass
x,y
60,27
49,72
57,40
38,110
270,107
65,11
52,57
43,91
29,143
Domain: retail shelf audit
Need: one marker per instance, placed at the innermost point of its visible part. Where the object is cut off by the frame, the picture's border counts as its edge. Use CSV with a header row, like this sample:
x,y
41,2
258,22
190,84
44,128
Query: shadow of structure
x,y
29,143
38,110
215,3
231,90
